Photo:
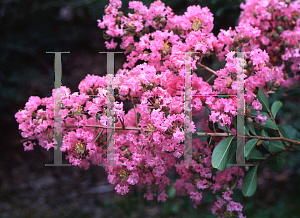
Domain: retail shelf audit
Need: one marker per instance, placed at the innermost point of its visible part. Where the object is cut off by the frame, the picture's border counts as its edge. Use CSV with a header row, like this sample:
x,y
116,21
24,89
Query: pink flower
x,y
133,178
162,196
256,105
202,184
122,190
233,206
227,194
259,117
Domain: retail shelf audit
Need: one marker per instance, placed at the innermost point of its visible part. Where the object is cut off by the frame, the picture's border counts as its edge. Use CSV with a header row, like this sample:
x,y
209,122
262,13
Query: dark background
x,y
28,29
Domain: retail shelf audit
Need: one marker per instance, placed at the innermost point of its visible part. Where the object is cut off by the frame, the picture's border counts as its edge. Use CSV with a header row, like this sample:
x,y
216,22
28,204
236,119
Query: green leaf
x,y
290,132
234,120
220,154
221,127
281,129
207,112
232,154
249,146
276,163
275,108
250,182
139,116
264,114
255,155
253,113
276,146
211,125
246,131
251,128
263,100
293,92
296,147
269,124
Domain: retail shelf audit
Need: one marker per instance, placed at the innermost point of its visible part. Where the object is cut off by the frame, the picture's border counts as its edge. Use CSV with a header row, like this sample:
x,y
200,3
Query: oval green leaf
x,y
263,100
255,155
276,163
250,182
275,108
269,124
220,154
251,128
249,146
232,154
276,146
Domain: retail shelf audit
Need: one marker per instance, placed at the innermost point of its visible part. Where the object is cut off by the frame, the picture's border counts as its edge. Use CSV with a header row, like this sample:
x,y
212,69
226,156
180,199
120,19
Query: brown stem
x,y
273,138
214,134
272,118
210,78
273,155
207,68
251,92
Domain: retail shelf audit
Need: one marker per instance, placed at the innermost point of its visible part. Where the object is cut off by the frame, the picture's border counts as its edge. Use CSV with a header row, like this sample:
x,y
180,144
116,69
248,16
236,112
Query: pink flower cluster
x,y
279,24
157,89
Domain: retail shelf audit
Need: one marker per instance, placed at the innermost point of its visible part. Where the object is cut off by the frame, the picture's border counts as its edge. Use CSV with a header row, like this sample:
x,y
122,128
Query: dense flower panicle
x,y
157,89
280,29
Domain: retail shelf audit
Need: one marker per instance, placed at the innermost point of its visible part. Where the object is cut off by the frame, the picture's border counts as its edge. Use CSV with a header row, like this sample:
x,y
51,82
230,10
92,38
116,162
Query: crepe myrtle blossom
x,y
153,79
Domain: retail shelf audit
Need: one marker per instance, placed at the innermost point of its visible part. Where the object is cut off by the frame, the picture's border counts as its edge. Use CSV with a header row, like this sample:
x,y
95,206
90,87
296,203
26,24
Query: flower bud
x,y
246,40
284,18
275,36
118,20
286,26
249,120
165,109
248,110
247,168
126,33
295,17
146,30
88,92
267,35
228,84
277,49
277,84
231,48
207,53
120,14
236,43
279,29
250,63
163,20
277,17
106,36
285,43
292,24
141,167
